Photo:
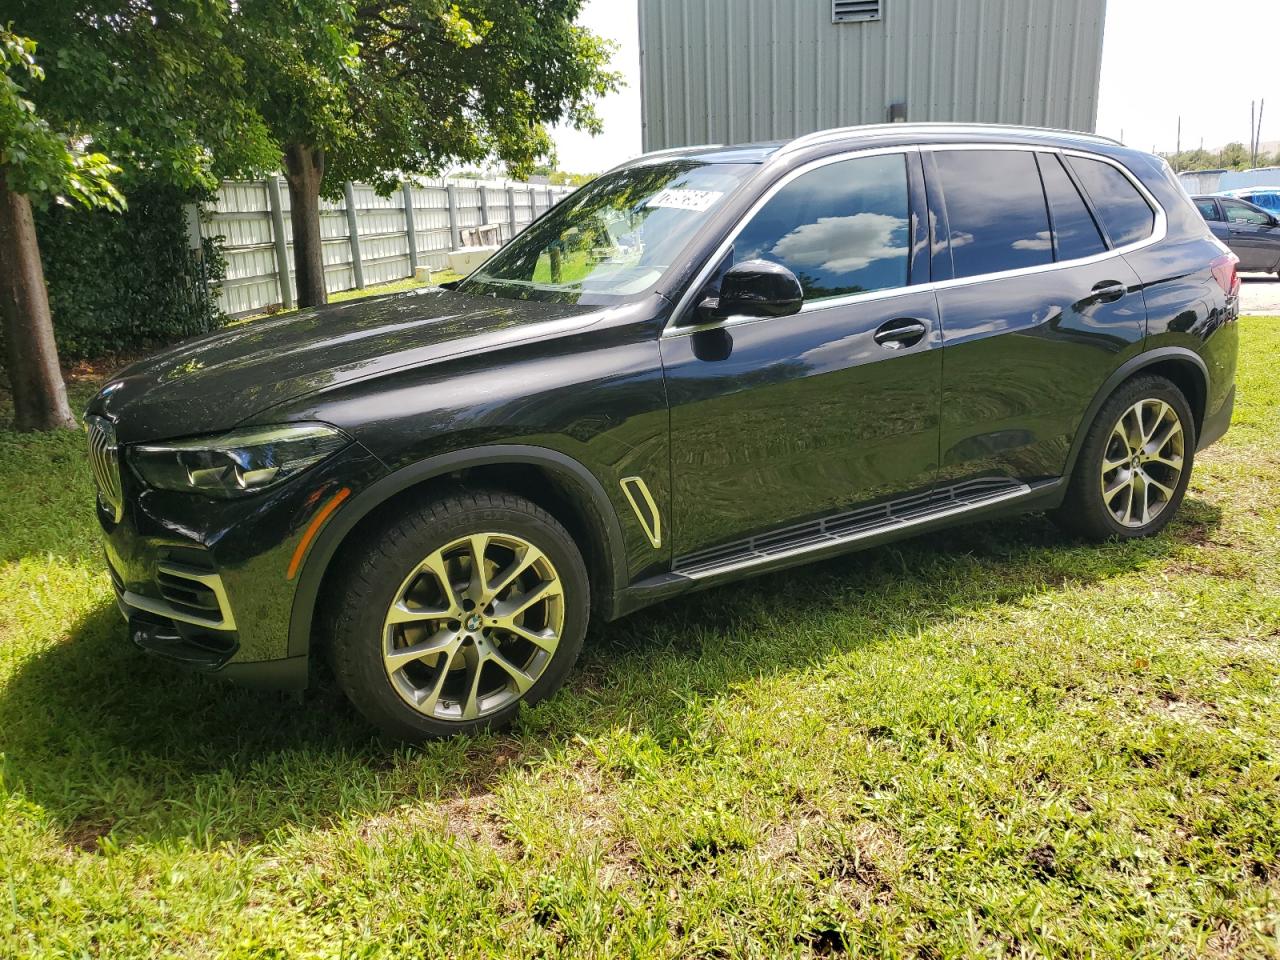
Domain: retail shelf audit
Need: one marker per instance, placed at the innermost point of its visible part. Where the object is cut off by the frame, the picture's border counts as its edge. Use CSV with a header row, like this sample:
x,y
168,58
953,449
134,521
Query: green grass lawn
x,y
992,742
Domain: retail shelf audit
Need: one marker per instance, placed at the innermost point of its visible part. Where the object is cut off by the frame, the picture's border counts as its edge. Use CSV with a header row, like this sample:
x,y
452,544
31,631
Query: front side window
x,y
995,209
1126,215
1240,213
1208,209
1074,230
612,240
842,229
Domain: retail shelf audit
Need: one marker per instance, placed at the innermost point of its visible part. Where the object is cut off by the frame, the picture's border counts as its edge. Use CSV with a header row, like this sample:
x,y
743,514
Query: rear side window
x,y
1126,215
843,228
1208,209
1074,231
995,210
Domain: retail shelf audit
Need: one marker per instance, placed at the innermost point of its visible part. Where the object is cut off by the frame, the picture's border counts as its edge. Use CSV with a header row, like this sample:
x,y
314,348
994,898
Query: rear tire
x,y
427,641
1134,466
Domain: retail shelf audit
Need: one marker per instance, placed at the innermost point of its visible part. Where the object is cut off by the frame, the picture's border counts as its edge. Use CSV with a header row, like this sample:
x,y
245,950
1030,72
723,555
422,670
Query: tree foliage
x,y
152,84
385,87
1234,156
38,161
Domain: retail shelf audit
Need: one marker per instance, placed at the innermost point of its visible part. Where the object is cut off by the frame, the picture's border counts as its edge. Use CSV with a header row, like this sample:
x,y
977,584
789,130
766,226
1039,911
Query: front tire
x,y
450,618
1134,466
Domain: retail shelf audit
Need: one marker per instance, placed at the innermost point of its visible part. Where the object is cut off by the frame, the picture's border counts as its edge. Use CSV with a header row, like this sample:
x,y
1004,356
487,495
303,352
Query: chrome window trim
x,y
1159,231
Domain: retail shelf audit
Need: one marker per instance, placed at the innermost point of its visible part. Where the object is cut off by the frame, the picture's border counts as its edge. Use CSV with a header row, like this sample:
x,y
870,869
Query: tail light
x,y
1224,271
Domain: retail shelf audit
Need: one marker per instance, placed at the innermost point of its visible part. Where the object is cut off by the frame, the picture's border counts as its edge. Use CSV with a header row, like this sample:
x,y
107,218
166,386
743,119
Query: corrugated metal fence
x,y
367,239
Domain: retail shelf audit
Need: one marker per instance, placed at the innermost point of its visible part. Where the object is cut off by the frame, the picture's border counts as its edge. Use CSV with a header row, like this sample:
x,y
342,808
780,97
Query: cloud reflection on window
x,y
1043,241
844,244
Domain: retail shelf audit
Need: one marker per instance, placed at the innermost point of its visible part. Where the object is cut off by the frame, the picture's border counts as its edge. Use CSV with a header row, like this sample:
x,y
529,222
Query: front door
x,y
787,419
1251,236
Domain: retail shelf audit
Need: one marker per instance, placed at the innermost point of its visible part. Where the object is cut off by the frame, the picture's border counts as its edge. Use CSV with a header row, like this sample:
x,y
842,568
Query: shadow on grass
x,y
107,740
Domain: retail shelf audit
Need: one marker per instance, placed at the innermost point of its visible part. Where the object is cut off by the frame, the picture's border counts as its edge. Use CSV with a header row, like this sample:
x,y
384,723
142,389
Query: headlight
x,y
236,464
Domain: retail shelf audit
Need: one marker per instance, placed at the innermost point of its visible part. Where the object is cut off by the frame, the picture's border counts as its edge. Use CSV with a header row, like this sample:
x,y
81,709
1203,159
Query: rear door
x,y
781,420
1040,308
1252,236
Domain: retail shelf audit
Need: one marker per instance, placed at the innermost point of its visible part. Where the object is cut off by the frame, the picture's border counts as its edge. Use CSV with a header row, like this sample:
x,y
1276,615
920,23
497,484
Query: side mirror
x,y
755,288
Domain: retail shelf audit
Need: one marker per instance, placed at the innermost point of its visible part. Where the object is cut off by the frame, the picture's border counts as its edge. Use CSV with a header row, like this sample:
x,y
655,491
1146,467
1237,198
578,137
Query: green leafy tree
x,y
150,84
378,89
36,161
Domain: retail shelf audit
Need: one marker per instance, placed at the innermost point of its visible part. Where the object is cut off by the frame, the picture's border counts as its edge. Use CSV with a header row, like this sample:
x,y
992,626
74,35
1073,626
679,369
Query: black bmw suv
x,y
706,364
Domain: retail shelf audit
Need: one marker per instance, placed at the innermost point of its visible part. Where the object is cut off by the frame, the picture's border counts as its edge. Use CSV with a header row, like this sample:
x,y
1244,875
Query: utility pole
x,y
1253,119
1177,150
1257,136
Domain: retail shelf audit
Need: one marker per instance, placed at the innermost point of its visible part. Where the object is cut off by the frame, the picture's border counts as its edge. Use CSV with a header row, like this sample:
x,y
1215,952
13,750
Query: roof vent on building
x,y
854,11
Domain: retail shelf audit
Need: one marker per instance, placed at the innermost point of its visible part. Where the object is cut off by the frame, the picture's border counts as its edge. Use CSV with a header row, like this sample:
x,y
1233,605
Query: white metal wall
x,y
241,215
737,71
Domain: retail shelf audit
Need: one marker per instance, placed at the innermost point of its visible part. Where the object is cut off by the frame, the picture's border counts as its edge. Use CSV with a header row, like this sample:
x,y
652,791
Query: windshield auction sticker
x,y
677,199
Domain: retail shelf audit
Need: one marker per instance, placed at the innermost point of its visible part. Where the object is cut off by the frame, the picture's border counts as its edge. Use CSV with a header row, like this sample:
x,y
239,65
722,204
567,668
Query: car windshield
x,y
612,240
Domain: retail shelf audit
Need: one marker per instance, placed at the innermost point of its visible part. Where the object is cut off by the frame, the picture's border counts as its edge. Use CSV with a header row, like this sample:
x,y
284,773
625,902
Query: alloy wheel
x,y
473,626
1143,462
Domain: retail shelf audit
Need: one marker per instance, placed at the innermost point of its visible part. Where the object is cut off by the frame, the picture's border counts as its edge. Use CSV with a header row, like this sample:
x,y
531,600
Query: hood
x,y
215,382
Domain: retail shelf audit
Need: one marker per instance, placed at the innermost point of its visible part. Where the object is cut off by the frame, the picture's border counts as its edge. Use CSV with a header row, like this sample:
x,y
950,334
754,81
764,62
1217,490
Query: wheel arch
x,y
1185,368
556,482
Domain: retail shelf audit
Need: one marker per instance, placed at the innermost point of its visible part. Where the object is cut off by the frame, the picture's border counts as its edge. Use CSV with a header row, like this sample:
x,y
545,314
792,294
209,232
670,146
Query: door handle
x,y
900,333
1108,291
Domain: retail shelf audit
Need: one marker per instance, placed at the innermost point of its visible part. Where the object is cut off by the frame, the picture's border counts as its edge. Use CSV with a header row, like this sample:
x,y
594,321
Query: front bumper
x,y
206,583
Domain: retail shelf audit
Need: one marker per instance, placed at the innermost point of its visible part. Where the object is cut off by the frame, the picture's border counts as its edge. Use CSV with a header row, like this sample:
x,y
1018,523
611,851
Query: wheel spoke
x,y
1166,490
1157,445
1155,423
477,544
400,612
548,588
547,640
438,568
475,667
1122,434
442,642
527,558
430,698
1123,483
1134,430
522,680
1108,464
1127,516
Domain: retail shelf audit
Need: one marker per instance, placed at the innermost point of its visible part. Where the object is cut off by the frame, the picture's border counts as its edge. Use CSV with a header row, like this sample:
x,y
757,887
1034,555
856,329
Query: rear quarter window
x,y
1125,214
1075,233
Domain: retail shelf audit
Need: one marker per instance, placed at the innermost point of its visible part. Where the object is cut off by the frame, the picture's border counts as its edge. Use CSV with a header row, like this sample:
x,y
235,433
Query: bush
x,y
120,282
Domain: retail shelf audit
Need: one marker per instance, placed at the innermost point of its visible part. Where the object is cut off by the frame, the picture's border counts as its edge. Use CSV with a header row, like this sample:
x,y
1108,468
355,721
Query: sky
x,y
1160,58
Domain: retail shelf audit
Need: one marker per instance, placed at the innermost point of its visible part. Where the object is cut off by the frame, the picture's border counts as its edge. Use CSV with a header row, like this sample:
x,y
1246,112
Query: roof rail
x,y
669,152
841,133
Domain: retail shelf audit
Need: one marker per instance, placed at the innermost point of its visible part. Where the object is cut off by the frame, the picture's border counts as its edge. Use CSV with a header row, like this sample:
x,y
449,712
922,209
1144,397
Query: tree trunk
x,y
303,170
31,356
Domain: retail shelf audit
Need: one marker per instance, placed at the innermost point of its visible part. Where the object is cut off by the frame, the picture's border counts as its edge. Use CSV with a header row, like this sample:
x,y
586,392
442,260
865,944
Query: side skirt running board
x,y
842,529
831,536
